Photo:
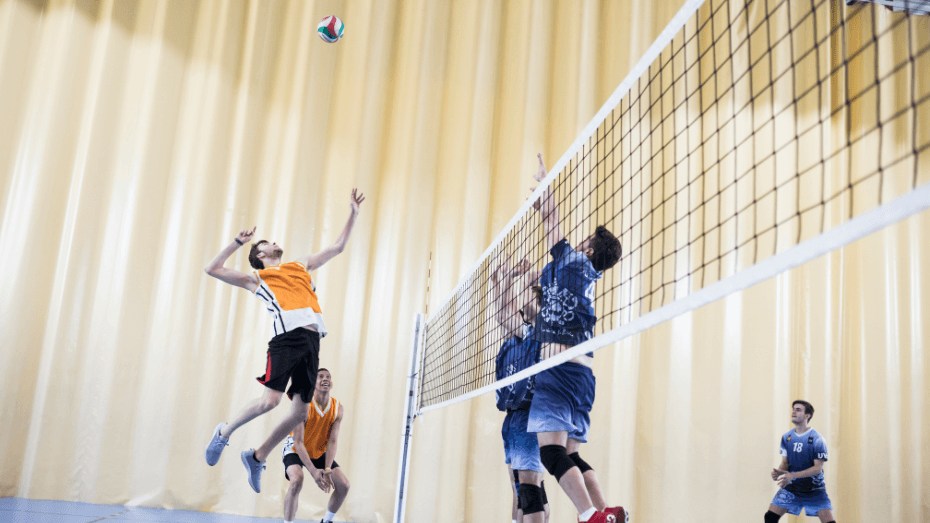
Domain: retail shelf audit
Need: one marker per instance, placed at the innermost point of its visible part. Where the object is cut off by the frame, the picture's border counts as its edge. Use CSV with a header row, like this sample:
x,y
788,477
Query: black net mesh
x,y
761,124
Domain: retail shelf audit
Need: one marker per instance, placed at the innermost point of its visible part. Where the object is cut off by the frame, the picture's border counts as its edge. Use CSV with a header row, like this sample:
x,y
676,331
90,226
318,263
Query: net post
x,y
409,415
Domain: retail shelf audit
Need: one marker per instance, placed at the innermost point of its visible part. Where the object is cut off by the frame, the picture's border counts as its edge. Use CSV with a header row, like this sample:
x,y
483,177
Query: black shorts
x,y
293,356
294,459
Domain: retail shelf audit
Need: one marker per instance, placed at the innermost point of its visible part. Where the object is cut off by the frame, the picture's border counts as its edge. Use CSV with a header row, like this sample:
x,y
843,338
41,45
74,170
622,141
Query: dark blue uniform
x,y
808,493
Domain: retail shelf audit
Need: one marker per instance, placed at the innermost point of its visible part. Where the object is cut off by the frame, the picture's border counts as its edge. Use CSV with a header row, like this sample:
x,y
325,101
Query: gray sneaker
x,y
216,445
255,469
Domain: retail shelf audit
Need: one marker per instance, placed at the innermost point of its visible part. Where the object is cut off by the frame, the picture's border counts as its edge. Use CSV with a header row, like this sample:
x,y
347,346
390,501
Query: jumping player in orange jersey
x,y
288,293
313,445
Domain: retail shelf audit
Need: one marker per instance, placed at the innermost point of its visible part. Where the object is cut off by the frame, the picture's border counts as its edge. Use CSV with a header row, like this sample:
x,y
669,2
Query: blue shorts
x,y
562,400
521,449
812,502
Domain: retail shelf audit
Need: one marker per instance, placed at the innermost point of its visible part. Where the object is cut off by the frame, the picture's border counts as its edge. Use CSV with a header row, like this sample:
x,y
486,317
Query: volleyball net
x,y
767,131
752,137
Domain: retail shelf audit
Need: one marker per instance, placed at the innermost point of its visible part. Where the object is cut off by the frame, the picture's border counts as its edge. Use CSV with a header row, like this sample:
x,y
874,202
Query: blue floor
x,y
19,510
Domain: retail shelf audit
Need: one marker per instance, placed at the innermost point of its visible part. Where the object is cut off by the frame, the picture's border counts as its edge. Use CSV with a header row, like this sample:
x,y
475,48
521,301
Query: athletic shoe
x,y
622,515
605,517
216,445
254,467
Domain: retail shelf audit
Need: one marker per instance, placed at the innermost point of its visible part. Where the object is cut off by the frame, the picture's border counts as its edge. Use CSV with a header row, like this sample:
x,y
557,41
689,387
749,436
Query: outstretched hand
x,y
541,172
522,267
357,199
245,235
539,176
501,271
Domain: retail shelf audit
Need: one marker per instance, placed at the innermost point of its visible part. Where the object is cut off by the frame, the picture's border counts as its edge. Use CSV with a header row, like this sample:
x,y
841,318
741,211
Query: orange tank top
x,y
290,298
318,427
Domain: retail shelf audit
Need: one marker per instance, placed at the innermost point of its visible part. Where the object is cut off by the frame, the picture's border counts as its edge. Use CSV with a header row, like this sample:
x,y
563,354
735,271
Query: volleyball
x,y
330,29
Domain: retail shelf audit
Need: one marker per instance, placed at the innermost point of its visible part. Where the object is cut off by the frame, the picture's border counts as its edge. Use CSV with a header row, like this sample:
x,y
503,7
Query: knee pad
x,y
771,517
556,460
545,499
531,498
582,465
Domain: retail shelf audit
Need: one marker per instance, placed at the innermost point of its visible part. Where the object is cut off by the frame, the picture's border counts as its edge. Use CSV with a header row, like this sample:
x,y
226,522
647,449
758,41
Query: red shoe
x,y
603,517
622,515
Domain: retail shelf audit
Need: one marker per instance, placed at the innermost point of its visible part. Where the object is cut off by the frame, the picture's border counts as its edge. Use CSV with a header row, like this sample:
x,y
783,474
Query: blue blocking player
x,y
517,301
564,395
800,474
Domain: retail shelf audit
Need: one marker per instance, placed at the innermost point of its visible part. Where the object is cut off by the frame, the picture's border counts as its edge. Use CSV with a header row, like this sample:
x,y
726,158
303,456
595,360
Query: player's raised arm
x,y
502,281
231,276
547,207
315,261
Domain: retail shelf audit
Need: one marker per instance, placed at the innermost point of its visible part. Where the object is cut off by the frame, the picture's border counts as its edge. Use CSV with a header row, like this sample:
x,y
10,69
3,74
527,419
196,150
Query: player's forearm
x,y
343,239
550,215
220,260
331,453
807,473
303,455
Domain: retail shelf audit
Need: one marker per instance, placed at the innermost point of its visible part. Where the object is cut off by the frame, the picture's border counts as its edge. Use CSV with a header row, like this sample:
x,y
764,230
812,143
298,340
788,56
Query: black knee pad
x,y
556,460
582,465
531,498
543,488
771,517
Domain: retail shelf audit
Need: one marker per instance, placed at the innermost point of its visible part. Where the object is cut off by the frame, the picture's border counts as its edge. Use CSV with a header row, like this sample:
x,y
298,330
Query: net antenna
x,y
752,137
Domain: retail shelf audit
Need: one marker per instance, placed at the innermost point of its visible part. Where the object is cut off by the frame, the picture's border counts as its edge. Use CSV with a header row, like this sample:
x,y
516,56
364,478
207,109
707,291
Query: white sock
x,y
329,516
586,515
286,521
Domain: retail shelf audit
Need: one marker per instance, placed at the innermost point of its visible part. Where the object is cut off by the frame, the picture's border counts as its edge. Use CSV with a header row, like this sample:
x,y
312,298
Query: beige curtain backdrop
x,y
136,139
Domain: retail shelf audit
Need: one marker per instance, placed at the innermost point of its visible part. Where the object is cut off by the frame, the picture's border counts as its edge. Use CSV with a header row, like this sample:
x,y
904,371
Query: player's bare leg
x,y
340,490
825,515
590,479
515,514
530,477
297,415
255,408
572,482
296,475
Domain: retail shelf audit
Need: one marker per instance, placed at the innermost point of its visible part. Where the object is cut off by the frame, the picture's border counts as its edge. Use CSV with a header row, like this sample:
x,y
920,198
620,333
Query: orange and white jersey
x,y
288,293
317,429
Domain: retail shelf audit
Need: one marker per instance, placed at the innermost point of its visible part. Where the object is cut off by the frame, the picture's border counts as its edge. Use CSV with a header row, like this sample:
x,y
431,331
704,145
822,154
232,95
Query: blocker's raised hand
x,y
357,199
541,172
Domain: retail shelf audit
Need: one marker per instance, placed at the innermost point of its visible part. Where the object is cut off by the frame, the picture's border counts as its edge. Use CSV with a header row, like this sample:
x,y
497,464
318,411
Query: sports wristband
x,y
237,241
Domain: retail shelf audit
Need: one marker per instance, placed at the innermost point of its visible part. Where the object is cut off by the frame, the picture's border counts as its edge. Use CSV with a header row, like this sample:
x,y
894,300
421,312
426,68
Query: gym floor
x,y
18,510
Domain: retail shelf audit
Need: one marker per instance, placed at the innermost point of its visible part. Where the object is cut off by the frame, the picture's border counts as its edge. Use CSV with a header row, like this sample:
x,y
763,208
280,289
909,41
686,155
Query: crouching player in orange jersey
x,y
313,445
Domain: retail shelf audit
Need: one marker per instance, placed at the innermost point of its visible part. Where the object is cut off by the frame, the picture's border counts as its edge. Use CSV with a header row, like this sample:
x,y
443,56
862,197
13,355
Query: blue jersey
x,y
801,451
515,355
567,312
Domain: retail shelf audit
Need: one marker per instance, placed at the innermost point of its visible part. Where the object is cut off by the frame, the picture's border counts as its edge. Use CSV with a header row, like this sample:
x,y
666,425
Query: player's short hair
x,y
254,260
607,249
324,368
808,408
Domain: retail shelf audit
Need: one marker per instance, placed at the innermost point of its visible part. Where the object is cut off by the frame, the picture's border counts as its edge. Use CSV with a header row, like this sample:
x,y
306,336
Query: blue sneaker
x,y
255,469
216,445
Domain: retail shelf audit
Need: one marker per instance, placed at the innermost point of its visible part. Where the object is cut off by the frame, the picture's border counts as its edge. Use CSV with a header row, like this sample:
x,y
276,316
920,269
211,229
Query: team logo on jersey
x,y
810,440
789,438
